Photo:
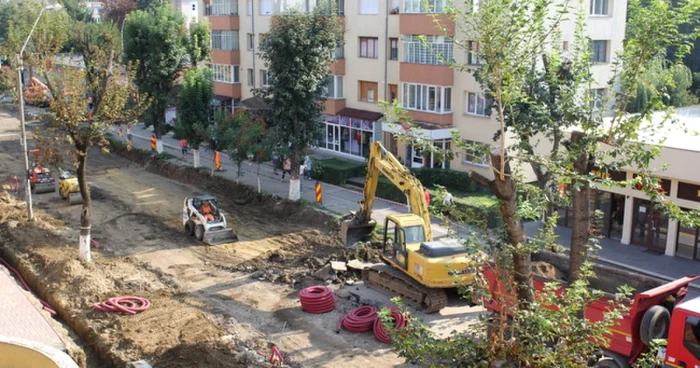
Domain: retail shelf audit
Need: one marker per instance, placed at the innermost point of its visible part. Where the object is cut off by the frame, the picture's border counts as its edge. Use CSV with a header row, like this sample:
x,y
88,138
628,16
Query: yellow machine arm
x,y
383,162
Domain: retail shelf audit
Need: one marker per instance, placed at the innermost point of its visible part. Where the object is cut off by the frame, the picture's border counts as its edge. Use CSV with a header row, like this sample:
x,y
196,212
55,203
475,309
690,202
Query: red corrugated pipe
x,y
359,319
124,304
46,305
317,299
400,321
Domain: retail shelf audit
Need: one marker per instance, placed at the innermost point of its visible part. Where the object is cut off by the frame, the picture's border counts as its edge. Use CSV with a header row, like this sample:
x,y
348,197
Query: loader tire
x,y
606,362
199,232
655,324
189,228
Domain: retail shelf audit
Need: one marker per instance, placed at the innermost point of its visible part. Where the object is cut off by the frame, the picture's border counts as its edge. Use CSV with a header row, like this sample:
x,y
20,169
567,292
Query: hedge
x,y
336,171
450,179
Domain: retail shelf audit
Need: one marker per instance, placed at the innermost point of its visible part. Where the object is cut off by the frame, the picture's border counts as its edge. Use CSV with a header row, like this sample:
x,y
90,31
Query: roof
x,y
255,103
360,114
692,305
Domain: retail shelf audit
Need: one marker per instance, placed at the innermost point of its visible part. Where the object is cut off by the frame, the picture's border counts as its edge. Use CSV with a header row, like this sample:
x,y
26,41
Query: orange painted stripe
x,y
674,365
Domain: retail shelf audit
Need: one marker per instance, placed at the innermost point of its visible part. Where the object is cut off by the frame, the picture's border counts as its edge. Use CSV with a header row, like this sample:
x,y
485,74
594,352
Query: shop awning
x,y
360,114
221,100
255,104
428,131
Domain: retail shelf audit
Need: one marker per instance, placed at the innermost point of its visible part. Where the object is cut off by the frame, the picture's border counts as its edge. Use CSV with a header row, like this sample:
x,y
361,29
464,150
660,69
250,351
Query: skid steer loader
x,y
69,189
202,218
40,178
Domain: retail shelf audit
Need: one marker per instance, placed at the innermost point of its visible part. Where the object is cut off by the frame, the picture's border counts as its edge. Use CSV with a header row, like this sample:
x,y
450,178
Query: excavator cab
x,y
400,231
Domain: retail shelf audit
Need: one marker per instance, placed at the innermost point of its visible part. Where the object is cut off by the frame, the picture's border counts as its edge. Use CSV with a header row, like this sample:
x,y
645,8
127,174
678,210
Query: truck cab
x,y
683,348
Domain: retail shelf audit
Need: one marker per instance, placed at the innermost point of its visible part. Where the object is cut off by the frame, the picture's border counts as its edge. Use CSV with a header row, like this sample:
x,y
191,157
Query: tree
x,y
145,4
244,137
298,51
77,11
155,43
199,45
194,109
83,121
116,11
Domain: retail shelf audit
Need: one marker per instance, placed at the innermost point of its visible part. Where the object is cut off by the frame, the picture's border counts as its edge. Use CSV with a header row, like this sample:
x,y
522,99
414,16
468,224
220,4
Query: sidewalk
x,y
341,200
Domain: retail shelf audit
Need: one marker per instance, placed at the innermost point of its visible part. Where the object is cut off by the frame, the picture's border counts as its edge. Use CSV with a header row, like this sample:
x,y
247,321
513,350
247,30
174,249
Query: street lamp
x,y
28,190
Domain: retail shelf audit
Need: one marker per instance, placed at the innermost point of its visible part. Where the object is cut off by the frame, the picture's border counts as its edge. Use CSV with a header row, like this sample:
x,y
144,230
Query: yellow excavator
x,y
417,268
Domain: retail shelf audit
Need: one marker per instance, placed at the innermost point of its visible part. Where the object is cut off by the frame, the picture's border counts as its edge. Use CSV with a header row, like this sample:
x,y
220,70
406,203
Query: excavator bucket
x,y
75,198
213,237
352,232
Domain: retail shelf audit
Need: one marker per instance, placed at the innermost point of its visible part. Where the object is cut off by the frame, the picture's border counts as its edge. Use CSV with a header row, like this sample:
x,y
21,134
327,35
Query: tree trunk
x,y
86,214
159,145
195,158
258,174
294,182
580,194
506,192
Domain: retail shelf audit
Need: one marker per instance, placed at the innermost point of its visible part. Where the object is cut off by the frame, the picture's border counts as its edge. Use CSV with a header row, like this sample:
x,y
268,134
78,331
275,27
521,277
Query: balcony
x,y
441,75
226,57
227,89
424,24
338,67
224,23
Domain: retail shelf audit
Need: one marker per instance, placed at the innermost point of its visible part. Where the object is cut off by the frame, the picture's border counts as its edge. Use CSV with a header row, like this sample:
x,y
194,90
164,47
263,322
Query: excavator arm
x,y
383,162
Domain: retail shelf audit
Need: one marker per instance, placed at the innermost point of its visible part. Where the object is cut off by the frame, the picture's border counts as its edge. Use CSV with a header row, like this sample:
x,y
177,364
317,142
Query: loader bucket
x,y
213,237
44,188
75,198
352,232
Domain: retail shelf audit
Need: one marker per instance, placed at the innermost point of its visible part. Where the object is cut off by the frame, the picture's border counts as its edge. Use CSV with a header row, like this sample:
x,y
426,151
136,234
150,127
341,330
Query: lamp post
x,y
28,190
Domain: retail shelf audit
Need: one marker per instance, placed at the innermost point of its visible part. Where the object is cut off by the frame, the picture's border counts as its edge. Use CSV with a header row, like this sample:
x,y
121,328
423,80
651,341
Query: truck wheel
x,y
199,232
189,228
606,362
654,324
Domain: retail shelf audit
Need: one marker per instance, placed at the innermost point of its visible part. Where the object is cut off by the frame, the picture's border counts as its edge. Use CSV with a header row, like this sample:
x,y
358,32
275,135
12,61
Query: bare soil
x,y
207,309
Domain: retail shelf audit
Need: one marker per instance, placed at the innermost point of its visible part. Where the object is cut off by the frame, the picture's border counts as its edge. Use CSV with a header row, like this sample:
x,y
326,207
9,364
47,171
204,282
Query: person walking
x,y
183,147
287,168
426,194
308,165
275,161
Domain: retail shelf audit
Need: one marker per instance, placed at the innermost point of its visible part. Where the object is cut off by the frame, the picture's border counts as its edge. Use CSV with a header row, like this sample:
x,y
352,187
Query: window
x,y
251,77
427,98
224,40
334,88
393,92
369,47
437,50
251,41
394,48
599,7
565,46
194,7
249,10
473,53
265,7
368,91
476,153
339,51
476,103
369,6
424,6
225,73
221,8
341,6
600,51
691,336
264,78
394,7
598,98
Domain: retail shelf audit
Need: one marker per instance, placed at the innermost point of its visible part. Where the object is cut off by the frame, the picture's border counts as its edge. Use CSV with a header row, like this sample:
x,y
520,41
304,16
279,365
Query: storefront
x,y
688,239
350,132
413,156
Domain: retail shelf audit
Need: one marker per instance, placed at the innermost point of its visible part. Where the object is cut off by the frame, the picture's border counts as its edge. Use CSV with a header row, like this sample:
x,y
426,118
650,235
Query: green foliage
x,y
77,11
335,171
194,107
149,4
672,82
451,179
155,42
298,50
244,137
162,156
115,11
199,43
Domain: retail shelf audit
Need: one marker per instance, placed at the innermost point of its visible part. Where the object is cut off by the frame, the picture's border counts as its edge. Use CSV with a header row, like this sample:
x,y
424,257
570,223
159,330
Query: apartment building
x,y
383,59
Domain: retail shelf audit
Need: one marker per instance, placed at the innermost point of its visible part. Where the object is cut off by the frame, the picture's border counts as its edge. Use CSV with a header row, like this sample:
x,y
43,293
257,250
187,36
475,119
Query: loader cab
x,y
400,233
683,347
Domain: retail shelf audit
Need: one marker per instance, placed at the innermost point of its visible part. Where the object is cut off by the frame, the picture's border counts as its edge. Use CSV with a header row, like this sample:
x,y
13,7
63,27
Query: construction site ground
x,y
210,304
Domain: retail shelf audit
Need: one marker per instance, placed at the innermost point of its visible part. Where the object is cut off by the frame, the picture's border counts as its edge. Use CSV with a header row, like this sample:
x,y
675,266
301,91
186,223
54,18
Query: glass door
x,y
649,226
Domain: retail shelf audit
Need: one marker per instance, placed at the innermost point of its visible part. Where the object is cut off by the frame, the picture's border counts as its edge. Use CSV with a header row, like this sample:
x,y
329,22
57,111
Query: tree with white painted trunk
x,y
298,51
244,138
155,43
82,122
193,109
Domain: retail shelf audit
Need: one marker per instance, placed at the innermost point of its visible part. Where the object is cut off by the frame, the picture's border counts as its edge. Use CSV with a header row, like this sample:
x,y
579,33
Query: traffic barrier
x,y
217,161
319,193
153,142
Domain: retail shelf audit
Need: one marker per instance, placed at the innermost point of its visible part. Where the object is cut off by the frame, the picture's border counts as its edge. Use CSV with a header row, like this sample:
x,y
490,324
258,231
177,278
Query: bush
x,y
479,209
387,190
336,171
450,179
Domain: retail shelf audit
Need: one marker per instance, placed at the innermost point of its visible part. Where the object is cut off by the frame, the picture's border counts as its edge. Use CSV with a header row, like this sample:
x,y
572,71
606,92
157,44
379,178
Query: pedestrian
x,y
183,146
447,199
426,194
287,168
308,165
275,161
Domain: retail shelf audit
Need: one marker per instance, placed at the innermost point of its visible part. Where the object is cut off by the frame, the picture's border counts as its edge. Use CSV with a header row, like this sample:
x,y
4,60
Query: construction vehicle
x,y
417,268
658,310
203,219
68,188
40,178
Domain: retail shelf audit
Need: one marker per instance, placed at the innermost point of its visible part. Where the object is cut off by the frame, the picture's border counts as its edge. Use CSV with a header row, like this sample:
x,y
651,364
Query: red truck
x,y
658,312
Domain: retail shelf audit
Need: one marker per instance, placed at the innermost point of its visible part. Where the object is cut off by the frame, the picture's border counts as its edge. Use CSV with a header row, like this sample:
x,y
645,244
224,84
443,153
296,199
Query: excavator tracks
x,y
392,281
